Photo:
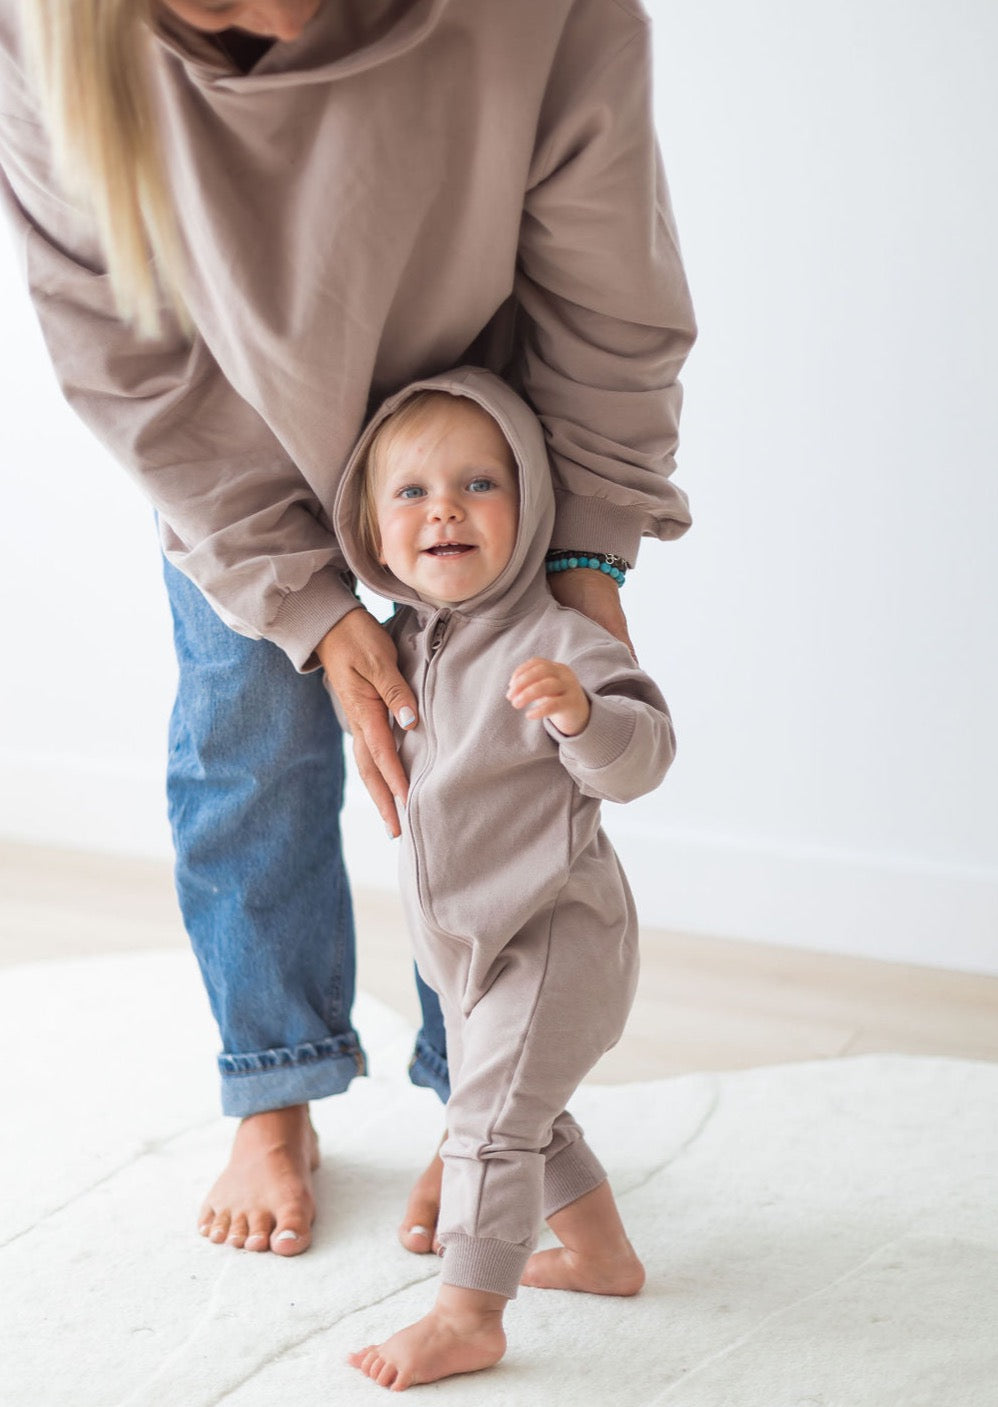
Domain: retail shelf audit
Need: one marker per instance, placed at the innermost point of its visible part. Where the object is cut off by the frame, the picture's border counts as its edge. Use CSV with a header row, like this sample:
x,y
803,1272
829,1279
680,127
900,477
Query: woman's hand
x,y
361,664
549,690
595,595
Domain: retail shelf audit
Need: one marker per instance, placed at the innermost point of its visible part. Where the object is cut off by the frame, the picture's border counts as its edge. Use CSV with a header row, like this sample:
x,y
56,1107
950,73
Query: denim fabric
x,y
255,786
428,1066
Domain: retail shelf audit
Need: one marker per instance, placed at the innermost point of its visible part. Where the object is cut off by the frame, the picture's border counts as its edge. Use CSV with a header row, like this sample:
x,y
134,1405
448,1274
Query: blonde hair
x,y
88,59
417,408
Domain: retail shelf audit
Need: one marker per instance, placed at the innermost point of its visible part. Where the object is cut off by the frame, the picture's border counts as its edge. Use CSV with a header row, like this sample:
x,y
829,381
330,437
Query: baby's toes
x,y
386,1373
361,1357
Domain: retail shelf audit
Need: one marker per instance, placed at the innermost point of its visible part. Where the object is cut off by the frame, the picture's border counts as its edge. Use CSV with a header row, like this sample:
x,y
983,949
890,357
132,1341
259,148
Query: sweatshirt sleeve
x,y
628,745
607,318
236,516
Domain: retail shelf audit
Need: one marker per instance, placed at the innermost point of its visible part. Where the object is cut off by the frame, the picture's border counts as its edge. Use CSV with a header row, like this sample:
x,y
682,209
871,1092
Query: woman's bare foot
x,y
462,1333
418,1231
263,1200
595,1256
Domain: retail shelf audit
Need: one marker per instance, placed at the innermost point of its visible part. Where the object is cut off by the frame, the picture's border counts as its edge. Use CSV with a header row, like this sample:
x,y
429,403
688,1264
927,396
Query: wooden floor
x,y
703,1003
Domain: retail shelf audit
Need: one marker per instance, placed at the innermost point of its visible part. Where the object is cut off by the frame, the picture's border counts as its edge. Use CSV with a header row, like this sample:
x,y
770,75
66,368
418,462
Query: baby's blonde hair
x,y
89,62
417,408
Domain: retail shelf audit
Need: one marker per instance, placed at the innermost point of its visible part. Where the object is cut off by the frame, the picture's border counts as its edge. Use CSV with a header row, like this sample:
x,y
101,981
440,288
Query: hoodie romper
x,y
520,914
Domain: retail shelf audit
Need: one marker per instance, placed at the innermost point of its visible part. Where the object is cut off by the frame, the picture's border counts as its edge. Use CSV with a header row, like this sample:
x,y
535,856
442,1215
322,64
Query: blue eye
x,y
481,484
411,491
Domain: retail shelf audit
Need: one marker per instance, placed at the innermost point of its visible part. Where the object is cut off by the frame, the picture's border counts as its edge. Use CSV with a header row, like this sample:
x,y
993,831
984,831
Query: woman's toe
x,y
261,1224
291,1237
418,1239
220,1227
238,1231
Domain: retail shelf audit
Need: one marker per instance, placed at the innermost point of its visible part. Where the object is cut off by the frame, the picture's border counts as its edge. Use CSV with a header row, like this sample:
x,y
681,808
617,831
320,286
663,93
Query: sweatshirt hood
x,y
339,41
522,581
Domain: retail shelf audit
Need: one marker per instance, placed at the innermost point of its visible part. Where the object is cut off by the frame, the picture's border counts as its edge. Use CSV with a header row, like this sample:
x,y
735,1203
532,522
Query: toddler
x,y
520,915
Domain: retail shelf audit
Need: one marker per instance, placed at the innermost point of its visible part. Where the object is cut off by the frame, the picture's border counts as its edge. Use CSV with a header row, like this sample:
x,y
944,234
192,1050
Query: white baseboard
x,y
103,804
875,907
796,896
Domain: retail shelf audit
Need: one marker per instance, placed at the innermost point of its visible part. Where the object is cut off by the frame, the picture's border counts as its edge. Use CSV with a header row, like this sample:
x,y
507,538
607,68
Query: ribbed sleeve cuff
x,y
475,1263
305,616
569,1175
604,738
596,525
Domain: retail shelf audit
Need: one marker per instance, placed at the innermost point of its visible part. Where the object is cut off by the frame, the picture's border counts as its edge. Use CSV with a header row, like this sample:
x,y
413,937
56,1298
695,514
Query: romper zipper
x,y
437,635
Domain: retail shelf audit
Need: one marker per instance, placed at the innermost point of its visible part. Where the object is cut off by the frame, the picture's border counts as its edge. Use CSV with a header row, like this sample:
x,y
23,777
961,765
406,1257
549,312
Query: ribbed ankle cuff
x,y
476,1263
569,1175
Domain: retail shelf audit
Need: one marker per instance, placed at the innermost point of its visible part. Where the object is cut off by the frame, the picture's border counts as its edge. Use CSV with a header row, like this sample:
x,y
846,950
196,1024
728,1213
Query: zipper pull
x,y
439,631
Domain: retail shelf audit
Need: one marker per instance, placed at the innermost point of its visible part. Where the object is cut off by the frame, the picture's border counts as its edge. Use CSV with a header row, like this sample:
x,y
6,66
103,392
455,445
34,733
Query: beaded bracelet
x,y
567,559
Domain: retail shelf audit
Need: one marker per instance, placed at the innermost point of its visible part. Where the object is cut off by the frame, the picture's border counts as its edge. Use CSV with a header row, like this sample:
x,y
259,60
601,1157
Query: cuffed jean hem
x,y
479,1263
275,1079
569,1175
428,1069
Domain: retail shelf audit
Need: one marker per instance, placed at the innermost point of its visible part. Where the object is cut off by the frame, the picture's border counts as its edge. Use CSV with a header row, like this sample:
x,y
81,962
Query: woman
x,y
243,224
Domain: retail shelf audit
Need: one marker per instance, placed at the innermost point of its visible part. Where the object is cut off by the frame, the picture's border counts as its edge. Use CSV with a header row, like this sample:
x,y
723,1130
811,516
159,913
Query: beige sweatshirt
x,y
407,185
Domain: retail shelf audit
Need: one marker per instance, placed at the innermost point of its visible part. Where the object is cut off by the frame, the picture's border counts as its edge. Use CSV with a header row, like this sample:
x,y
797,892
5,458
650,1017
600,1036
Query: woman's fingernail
x,y
389,832
420,1231
286,1236
406,717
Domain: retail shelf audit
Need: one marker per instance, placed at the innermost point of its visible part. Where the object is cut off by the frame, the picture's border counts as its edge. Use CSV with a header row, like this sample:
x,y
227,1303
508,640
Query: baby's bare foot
x,y
418,1230
595,1256
263,1200
617,1274
462,1334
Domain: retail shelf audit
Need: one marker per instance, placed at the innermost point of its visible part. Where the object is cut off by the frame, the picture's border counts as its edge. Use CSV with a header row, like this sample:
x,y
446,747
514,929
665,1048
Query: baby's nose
x,y
443,506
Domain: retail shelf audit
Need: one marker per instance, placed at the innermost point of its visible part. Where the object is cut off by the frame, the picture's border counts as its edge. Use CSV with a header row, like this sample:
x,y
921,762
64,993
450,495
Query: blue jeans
x,y
255,787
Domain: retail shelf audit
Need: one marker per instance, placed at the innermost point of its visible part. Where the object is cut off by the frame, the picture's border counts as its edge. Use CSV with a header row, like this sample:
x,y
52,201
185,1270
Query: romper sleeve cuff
x,y
603,740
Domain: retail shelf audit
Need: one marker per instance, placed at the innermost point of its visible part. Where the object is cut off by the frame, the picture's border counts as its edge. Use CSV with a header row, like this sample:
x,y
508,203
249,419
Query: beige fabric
x,y
520,1040
521,916
403,183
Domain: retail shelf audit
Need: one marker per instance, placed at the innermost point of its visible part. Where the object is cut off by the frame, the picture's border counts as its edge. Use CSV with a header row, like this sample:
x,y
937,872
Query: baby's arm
x,y
549,690
608,718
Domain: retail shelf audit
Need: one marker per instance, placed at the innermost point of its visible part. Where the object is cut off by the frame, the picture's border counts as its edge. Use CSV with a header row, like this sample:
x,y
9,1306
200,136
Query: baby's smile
x,y
449,549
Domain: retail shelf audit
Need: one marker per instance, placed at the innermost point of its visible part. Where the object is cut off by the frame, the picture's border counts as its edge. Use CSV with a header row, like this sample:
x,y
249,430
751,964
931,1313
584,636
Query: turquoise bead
x,y
568,562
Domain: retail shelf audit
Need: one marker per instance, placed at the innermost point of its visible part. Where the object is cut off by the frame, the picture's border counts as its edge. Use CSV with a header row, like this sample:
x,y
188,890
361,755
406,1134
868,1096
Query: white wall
x,y
826,633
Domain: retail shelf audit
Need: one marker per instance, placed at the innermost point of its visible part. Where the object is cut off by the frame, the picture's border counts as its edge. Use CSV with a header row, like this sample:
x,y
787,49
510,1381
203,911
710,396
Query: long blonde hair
x,y
88,59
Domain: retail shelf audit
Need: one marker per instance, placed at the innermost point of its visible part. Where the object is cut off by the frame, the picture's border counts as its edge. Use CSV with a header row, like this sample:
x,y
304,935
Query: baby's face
x,y
446,501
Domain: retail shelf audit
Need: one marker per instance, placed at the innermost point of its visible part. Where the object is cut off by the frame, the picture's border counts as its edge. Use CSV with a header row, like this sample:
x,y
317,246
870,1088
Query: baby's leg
x,y
462,1333
594,1257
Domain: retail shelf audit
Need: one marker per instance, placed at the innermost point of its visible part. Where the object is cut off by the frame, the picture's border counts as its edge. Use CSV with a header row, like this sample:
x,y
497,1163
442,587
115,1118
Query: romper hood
x,y
521,583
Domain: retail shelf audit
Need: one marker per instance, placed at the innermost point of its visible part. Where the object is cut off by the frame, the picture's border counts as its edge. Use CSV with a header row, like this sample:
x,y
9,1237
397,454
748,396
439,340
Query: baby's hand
x,y
551,691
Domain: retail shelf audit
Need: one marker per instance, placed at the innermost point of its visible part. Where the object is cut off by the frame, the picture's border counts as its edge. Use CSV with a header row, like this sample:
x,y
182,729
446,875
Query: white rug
x,y
819,1235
